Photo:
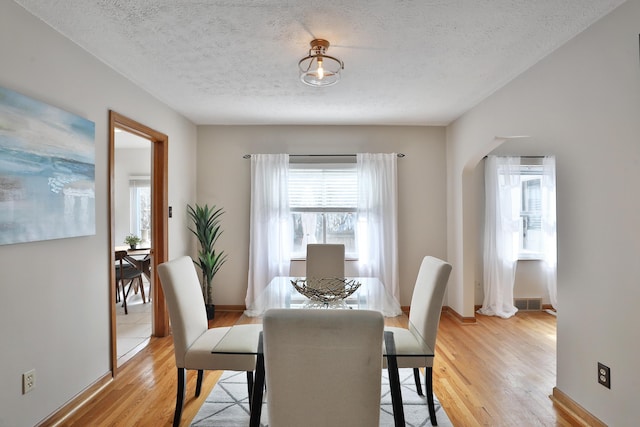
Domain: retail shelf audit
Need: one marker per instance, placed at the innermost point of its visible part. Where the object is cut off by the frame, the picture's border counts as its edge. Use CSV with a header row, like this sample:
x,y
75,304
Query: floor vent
x,y
528,304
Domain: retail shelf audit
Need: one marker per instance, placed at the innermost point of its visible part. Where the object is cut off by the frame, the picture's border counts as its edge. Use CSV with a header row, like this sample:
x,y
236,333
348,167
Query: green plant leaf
x,y
206,227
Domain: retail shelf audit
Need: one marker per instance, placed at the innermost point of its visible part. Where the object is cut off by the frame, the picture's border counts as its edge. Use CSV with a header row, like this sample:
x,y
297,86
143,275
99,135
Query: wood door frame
x,y
159,221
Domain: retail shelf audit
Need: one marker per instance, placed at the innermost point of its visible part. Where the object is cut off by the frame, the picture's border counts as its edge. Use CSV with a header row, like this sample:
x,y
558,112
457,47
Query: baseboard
x,y
58,417
458,316
576,412
230,307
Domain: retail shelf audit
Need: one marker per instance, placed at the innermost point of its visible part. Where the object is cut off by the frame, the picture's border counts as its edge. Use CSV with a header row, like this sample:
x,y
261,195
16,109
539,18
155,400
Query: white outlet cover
x,y
28,381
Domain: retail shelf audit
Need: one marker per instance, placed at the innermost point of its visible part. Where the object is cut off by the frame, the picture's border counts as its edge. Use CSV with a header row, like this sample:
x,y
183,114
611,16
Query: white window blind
x,y
323,186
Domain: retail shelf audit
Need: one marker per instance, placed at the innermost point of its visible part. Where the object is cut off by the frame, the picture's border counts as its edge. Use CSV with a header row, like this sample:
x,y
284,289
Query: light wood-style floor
x,y
496,372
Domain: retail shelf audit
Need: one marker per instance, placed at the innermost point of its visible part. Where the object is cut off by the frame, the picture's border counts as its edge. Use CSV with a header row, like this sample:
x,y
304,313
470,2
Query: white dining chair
x,y
323,367
424,318
193,341
325,260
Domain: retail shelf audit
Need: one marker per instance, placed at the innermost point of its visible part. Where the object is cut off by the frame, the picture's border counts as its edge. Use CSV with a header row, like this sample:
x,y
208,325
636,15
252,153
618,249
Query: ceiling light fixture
x,y
318,69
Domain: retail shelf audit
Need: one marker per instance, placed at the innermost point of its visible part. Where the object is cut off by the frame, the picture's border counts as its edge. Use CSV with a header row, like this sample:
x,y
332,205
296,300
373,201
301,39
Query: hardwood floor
x,y
496,372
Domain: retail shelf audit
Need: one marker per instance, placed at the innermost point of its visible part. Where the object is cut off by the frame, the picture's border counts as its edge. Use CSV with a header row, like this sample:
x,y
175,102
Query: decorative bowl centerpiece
x,y
326,289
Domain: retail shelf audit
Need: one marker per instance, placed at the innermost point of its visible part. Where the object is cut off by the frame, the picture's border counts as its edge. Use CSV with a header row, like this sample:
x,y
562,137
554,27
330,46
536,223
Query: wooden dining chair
x,y
325,260
127,274
323,367
424,318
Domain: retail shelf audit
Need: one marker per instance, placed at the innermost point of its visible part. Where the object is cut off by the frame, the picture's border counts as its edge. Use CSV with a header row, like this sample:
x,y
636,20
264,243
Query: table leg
x,y
394,380
258,388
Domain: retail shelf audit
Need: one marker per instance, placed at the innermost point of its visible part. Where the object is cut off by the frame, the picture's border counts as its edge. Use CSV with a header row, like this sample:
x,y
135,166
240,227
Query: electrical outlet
x,y
604,375
28,381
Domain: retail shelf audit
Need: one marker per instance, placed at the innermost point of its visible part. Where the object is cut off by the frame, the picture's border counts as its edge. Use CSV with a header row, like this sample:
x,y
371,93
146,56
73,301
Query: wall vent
x,y
528,304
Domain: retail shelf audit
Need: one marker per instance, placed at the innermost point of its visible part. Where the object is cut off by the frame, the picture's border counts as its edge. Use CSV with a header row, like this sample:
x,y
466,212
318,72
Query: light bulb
x,y
320,69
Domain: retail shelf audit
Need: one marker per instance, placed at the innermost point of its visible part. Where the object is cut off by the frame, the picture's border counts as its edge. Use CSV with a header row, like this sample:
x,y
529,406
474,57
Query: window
x,y
530,212
140,216
323,202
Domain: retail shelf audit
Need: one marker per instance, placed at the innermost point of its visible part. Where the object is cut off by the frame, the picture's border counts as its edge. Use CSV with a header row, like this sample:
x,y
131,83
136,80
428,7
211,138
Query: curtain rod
x,y
523,157
248,156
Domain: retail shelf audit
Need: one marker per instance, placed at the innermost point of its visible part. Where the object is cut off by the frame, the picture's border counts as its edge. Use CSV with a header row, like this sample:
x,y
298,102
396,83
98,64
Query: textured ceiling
x,y
407,62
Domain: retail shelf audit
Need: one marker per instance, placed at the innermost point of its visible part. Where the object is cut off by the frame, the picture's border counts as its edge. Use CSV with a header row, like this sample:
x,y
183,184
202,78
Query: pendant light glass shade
x,y
319,69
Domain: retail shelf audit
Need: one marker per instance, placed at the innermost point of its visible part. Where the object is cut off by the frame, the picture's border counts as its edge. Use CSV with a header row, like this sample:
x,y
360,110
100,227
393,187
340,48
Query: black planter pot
x,y
211,311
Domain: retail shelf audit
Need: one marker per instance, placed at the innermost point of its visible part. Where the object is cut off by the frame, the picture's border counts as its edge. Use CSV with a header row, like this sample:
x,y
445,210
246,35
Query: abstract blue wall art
x,y
47,171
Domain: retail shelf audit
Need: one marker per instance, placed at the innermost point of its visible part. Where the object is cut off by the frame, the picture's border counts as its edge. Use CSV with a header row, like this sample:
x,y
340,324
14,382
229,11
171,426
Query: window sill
x,y
304,259
530,257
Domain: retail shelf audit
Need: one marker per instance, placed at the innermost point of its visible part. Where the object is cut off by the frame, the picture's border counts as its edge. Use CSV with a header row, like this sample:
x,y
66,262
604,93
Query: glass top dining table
x,y
280,293
245,337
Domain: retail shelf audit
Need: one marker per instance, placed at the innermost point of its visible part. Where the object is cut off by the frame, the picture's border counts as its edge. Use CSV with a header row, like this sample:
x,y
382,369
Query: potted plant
x,y
206,227
132,240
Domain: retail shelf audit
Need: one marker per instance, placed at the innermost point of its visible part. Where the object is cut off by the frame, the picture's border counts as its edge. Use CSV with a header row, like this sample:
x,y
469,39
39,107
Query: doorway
x,y
131,206
157,225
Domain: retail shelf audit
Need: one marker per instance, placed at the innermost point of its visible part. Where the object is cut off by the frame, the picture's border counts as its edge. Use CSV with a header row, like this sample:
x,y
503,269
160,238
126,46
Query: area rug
x,y
228,404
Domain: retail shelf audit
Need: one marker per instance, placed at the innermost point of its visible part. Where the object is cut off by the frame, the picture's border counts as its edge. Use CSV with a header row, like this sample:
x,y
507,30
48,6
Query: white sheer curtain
x,y
270,222
501,238
549,240
378,219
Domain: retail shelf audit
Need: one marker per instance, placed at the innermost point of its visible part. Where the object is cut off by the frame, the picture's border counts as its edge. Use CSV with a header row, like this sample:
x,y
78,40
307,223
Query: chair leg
x,y
117,290
428,378
182,380
250,385
142,289
125,295
258,388
199,382
416,377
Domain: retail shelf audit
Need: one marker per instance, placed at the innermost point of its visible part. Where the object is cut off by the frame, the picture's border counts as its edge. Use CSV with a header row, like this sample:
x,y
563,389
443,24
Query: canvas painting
x,y
47,171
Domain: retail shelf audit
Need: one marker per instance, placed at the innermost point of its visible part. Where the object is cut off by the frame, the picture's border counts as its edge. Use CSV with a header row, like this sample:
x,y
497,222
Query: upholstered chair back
x,y
184,299
325,260
427,299
323,367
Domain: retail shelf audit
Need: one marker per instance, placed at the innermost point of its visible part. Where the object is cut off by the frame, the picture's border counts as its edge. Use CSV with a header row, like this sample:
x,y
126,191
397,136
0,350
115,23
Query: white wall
x,y
224,179
581,103
54,295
